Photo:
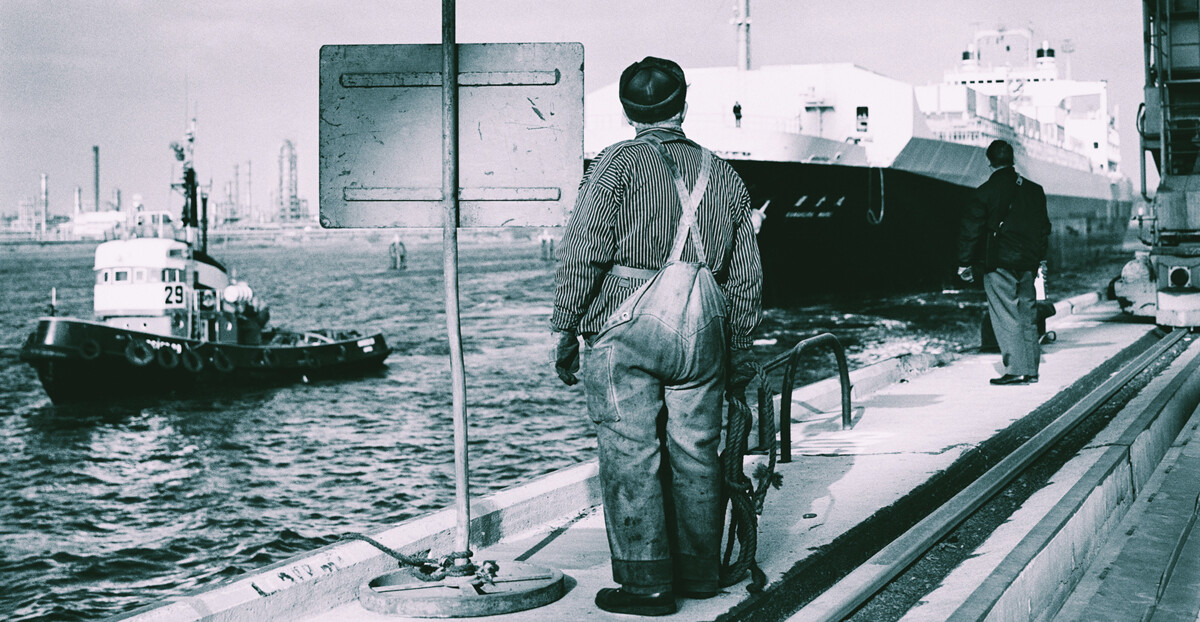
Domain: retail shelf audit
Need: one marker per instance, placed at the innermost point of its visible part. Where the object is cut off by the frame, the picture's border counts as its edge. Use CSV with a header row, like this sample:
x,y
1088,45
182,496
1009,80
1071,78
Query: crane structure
x,y
1164,282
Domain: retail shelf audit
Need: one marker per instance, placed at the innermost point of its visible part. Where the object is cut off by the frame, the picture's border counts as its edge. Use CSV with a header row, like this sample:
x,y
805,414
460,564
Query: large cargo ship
x,y
861,178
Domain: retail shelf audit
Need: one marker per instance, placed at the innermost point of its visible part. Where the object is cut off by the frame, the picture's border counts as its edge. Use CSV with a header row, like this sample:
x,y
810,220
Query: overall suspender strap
x,y
688,201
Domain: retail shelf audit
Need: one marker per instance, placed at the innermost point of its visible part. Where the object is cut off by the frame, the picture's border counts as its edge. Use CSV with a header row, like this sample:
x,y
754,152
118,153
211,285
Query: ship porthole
x,y
89,350
191,361
167,358
139,353
221,362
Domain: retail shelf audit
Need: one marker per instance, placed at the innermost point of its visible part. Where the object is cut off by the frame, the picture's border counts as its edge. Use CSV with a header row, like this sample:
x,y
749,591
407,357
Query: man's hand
x,y
966,273
566,356
742,369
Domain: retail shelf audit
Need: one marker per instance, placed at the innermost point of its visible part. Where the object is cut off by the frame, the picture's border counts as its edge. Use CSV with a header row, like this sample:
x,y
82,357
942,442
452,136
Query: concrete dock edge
x,y
330,575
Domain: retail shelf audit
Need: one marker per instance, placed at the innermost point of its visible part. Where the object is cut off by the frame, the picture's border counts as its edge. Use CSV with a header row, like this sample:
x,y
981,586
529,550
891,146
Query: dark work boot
x,y
618,600
1014,379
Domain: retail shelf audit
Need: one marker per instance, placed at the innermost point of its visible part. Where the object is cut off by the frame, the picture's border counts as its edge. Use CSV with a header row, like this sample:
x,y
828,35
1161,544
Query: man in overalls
x,y
656,398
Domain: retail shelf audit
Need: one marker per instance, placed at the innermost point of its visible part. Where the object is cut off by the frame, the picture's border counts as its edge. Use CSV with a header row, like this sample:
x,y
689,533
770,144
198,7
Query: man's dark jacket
x,y
997,236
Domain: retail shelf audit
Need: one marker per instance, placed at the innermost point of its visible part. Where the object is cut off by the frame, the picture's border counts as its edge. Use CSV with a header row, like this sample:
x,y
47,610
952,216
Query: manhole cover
x,y
516,587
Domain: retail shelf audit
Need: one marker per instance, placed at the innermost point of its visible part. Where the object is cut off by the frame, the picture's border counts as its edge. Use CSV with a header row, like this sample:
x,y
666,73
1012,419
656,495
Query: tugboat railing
x,y
787,361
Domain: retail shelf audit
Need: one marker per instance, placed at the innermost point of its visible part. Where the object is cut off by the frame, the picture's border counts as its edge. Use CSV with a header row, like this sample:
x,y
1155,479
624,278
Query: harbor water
x,y
105,508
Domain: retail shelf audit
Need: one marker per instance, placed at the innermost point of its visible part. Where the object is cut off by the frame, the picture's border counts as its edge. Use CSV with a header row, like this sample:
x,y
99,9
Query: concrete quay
x,y
1111,536
923,428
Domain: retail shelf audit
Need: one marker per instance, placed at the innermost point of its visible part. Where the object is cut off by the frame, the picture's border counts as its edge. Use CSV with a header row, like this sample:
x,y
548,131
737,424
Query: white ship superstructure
x,y
847,115
1005,88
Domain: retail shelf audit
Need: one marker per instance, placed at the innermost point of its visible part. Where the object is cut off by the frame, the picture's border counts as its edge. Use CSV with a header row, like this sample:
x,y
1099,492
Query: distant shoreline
x,y
293,235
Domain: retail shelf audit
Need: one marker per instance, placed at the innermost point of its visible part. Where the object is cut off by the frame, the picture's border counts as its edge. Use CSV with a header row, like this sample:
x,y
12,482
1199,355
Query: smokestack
x,y
96,158
45,201
742,21
249,188
78,200
237,190
204,222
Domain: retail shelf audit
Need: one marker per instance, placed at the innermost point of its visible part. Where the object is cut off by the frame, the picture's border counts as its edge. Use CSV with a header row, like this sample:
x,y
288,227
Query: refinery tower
x,y
291,208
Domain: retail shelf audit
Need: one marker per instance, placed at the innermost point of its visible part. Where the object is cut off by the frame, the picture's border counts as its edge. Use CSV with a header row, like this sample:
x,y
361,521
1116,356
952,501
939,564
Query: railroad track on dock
x,y
854,596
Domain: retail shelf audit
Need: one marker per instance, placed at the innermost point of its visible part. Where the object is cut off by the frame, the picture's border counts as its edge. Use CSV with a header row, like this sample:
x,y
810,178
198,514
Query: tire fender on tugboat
x,y
139,353
191,361
220,361
167,357
90,350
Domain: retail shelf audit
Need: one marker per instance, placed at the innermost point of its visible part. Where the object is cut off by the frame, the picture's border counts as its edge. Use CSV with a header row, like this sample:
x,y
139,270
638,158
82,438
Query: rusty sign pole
x,y
450,273
521,168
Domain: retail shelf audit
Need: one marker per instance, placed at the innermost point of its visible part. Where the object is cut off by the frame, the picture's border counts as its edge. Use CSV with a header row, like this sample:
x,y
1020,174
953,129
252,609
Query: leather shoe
x,y
1014,379
618,600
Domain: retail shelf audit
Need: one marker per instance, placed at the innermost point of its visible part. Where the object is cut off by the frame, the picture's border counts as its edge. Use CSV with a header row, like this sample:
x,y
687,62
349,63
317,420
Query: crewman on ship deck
x,y
658,429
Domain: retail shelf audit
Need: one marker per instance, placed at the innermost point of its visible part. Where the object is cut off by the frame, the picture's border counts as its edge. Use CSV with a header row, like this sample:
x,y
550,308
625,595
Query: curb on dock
x,y
1075,304
330,576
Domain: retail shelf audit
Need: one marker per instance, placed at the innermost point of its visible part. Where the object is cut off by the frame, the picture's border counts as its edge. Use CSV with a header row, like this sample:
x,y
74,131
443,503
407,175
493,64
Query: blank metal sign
x,y
520,134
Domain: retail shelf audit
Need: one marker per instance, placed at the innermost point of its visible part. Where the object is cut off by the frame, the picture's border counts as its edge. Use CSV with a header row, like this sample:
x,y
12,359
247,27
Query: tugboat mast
x,y
190,189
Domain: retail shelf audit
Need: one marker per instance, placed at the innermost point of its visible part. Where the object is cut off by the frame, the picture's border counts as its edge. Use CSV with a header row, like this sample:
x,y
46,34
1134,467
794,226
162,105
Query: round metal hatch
x,y
515,586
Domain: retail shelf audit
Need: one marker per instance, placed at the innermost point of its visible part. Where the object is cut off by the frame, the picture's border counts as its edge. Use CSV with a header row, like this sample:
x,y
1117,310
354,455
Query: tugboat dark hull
x,y
79,360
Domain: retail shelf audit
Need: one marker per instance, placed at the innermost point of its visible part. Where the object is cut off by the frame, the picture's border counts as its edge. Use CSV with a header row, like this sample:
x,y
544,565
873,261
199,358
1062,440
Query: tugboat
x,y
169,318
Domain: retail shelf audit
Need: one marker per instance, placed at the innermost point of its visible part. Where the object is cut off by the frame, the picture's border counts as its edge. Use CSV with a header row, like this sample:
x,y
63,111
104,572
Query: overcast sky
x,y
127,74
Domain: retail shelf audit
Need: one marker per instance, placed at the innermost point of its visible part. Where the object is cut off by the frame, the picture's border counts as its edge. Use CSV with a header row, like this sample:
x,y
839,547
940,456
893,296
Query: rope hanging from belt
x,y
747,501
424,568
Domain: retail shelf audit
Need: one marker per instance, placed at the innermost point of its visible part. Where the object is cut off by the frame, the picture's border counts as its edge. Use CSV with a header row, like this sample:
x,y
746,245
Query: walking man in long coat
x,y
1006,230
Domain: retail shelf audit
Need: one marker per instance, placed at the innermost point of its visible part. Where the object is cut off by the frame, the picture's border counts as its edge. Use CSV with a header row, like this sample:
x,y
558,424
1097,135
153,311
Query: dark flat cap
x,y
652,90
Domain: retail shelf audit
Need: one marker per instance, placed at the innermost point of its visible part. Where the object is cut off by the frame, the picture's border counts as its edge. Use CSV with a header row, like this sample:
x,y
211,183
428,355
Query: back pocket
x,y
596,370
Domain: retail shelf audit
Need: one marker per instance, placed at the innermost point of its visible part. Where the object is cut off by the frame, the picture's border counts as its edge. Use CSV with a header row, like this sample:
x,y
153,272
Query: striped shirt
x,y
627,213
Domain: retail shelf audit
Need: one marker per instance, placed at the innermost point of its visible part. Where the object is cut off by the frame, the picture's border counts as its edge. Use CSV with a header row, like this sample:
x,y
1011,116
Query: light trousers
x,y
1010,297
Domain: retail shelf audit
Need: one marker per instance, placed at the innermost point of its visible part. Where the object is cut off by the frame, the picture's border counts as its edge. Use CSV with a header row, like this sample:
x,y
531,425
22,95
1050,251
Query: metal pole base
x,y
515,587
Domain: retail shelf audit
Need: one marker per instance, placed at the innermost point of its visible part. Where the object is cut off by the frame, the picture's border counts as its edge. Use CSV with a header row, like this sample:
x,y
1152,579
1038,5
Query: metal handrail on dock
x,y
787,360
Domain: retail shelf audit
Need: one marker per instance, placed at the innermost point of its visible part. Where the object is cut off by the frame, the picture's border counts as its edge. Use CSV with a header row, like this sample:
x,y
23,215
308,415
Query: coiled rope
x,y
747,501
424,568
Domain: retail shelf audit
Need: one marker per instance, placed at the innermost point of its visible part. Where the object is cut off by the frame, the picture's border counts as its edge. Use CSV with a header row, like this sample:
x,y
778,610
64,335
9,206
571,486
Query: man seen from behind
x,y
1005,229
656,395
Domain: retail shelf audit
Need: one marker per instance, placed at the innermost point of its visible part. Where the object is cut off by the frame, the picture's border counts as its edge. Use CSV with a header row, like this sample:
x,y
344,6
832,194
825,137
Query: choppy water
x,y
104,509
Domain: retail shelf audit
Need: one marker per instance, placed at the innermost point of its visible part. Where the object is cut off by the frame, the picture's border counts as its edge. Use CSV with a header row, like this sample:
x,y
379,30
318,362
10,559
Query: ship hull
x,y
850,229
83,361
